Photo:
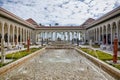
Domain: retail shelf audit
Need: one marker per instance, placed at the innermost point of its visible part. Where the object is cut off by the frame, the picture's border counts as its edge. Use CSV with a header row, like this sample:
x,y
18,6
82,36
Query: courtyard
x,y
57,64
59,40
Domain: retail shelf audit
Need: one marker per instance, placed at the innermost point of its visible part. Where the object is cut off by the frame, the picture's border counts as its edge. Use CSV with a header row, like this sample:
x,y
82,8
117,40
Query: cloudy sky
x,y
64,12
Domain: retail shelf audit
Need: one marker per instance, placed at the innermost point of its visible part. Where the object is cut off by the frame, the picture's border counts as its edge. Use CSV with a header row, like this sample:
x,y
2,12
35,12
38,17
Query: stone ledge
x,y
106,67
18,62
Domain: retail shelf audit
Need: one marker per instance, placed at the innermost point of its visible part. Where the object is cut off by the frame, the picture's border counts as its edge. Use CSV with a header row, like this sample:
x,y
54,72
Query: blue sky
x,y
64,12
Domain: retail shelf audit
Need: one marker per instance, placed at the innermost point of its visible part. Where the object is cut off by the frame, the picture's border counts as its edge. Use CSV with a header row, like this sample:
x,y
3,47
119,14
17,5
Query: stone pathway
x,y
59,64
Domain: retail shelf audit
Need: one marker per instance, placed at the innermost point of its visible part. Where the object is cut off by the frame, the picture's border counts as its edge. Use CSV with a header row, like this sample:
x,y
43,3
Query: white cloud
x,y
63,12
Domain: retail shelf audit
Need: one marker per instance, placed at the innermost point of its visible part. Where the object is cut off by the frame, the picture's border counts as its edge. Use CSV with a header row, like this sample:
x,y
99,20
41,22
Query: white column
x,y
117,29
8,34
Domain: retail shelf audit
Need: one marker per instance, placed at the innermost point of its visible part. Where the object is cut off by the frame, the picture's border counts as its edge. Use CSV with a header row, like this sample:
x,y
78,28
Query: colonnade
x,y
105,33
13,33
55,35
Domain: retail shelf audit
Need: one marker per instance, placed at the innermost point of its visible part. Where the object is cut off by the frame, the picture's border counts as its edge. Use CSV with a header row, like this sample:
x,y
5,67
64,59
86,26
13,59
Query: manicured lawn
x,y
18,55
117,66
101,55
1,64
98,54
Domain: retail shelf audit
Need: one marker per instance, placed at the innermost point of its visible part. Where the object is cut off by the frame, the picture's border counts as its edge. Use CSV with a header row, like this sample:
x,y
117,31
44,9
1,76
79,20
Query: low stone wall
x,y
106,67
18,62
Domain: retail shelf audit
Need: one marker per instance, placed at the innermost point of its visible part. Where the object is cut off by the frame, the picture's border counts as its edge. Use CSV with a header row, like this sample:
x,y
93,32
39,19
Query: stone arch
x,y
114,26
19,36
11,33
6,32
104,34
15,35
100,33
25,34
94,34
22,34
97,34
119,31
109,33
29,33
118,23
90,35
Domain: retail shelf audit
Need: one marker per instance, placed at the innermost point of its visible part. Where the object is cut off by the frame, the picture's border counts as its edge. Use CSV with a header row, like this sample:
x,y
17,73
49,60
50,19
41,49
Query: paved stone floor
x,y
59,64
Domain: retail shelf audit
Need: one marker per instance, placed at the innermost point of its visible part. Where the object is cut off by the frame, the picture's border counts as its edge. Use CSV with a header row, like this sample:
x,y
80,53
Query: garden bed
x,y
18,55
101,55
96,46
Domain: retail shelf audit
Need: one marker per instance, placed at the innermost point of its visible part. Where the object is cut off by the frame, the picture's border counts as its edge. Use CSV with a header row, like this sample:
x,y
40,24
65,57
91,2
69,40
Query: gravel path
x,y
59,64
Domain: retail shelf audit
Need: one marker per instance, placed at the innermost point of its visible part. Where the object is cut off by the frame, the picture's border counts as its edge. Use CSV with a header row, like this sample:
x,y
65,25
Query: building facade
x,y
104,29
15,30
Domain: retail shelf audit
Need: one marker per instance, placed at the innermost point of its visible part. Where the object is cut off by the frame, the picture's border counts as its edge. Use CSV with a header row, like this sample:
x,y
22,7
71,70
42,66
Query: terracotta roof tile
x,y
30,20
87,22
